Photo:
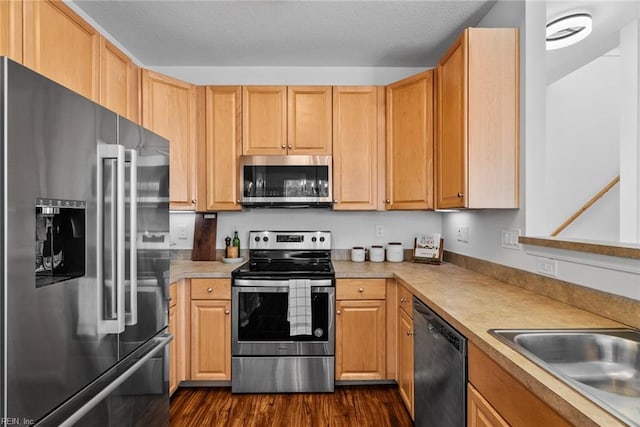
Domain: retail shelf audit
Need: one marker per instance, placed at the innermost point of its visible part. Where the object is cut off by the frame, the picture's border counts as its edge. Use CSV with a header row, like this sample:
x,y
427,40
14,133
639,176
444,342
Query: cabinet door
x,y
11,29
168,108
62,46
451,140
358,146
119,82
211,340
405,359
223,147
360,340
480,413
173,350
410,143
264,120
309,120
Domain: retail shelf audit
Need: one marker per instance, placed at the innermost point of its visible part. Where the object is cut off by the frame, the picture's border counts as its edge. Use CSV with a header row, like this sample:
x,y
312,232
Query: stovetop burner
x,y
287,254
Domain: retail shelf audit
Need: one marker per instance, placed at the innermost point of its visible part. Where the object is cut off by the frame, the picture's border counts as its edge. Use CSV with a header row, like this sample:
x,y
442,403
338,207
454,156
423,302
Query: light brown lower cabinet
x,y
405,359
210,330
511,400
360,329
480,413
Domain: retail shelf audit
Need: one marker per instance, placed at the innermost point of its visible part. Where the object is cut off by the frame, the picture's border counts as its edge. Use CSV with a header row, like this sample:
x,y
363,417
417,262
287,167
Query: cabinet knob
x,y
361,290
338,312
403,300
290,147
387,201
238,201
335,201
284,146
209,290
461,195
226,312
409,333
194,201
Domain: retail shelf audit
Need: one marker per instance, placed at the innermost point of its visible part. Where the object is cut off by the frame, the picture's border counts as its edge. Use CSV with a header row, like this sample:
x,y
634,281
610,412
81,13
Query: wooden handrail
x,y
586,206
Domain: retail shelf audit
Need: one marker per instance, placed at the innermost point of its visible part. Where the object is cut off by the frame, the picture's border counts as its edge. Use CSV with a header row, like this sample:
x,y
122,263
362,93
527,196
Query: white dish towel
x,y
299,313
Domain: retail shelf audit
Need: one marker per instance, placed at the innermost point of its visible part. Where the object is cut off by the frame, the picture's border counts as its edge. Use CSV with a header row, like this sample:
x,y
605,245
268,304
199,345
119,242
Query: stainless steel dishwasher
x,y
440,370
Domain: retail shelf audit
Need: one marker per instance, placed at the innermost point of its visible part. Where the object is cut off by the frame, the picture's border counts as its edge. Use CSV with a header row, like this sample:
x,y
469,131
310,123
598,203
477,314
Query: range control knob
x,y
257,238
322,239
313,239
265,239
318,332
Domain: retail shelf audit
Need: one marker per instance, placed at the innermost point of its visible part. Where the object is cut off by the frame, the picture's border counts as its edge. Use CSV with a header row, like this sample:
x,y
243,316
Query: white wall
x,y
582,149
348,228
618,276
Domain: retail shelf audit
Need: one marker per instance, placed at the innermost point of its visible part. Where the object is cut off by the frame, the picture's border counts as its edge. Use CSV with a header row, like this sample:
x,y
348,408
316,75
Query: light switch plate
x,y
509,238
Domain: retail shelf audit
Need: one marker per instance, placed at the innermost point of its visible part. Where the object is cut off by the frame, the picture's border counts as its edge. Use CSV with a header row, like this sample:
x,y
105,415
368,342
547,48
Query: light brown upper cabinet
x,y
169,109
410,143
478,121
223,147
119,82
11,29
62,46
309,120
264,120
279,120
358,147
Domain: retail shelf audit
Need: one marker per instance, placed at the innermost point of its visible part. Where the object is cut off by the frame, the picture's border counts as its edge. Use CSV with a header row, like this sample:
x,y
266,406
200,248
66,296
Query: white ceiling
x,y
359,33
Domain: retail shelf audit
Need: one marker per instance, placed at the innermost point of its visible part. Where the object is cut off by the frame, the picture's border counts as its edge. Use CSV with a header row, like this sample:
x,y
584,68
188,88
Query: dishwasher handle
x,y
440,327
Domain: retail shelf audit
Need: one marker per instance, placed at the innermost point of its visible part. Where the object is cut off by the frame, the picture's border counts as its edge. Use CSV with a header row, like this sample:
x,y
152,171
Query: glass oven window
x,y
263,317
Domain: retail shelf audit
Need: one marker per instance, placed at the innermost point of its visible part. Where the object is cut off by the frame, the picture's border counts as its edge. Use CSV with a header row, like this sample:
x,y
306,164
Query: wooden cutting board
x,y
204,237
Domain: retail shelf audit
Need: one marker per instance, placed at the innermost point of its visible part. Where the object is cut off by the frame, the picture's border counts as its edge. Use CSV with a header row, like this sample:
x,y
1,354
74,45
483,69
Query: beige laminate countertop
x,y
474,303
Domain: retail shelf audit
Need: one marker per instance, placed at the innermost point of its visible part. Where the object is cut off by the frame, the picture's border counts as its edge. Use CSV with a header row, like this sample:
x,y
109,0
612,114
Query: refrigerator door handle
x,y
131,157
111,316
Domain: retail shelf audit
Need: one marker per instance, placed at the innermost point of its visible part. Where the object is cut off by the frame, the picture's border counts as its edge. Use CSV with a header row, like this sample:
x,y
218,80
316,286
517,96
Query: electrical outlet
x,y
509,238
182,232
547,266
379,231
462,234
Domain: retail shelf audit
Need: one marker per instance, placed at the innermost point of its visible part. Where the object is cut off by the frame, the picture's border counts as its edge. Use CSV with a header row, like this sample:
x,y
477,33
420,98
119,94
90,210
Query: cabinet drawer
x,y
210,289
360,289
173,294
405,300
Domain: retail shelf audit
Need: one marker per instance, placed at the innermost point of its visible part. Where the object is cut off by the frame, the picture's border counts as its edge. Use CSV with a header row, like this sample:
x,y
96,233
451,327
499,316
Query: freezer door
x,y
135,392
146,234
55,341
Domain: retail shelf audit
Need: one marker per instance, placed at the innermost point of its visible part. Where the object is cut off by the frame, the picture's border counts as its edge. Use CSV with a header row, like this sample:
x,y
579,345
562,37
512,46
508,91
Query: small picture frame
x,y
428,248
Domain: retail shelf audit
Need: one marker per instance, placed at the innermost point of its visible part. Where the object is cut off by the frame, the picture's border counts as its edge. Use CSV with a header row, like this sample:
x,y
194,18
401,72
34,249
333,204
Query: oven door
x,y
259,319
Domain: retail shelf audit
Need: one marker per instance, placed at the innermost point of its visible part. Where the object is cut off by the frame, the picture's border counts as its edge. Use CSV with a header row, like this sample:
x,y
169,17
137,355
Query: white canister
x,y
376,253
357,254
395,253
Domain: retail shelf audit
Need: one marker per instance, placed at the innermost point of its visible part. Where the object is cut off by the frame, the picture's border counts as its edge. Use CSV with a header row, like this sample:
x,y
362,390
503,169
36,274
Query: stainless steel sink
x,y
602,364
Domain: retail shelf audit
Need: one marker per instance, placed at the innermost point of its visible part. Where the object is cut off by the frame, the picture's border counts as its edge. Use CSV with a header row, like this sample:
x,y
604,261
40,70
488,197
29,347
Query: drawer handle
x,y
226,312
361,290
209,290
403,300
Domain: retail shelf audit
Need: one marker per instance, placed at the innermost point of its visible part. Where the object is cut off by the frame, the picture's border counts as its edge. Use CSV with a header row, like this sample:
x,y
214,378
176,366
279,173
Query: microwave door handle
x,y
131,157
110,310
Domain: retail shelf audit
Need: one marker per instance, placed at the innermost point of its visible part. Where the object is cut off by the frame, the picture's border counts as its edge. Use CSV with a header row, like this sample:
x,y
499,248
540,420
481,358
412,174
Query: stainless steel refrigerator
x,y
84,260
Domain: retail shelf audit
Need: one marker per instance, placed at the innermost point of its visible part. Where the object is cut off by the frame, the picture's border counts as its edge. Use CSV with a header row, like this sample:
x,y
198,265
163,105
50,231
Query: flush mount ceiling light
x,y
567,30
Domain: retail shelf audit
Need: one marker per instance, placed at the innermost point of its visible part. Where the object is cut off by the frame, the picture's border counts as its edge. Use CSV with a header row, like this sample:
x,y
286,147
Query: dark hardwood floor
x,y
348,406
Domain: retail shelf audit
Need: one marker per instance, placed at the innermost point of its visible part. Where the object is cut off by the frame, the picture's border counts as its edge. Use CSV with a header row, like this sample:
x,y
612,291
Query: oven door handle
x,y
258,283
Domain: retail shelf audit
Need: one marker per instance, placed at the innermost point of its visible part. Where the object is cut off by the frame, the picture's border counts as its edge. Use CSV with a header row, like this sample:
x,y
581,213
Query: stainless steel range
x,y
283,314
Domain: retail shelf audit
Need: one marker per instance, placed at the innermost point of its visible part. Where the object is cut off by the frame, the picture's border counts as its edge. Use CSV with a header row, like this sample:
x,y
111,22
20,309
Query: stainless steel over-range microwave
x,y
286,181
